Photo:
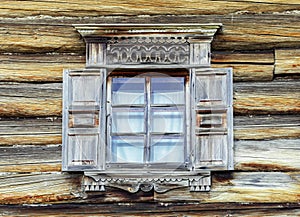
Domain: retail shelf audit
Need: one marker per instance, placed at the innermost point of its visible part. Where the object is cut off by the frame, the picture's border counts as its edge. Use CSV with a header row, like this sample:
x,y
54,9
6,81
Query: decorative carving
x,y
201,182
147,50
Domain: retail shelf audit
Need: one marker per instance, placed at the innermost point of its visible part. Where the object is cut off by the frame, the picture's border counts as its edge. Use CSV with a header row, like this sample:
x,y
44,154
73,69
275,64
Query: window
x,y
147,120
147,111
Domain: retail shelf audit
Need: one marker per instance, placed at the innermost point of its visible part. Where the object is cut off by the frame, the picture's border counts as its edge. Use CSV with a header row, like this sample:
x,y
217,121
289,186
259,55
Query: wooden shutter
x,y
212,119
81,120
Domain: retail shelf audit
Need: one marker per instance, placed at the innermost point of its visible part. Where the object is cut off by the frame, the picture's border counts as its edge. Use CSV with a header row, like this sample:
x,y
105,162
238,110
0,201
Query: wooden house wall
x,y
259,39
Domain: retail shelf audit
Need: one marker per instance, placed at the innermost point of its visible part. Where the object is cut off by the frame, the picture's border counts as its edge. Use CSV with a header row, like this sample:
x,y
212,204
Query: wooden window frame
x,y
176,46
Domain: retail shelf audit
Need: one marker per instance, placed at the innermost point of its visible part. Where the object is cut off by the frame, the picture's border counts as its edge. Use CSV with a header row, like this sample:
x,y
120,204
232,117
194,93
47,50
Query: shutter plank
x,y
81,132
213,124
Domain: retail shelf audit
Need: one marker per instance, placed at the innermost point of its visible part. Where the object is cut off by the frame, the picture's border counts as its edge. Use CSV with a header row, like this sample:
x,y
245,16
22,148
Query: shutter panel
x,y
213,130
81,117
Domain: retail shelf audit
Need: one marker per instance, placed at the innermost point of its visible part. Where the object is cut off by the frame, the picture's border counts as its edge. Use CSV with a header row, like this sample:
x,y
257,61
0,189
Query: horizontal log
x,y
30,131
157,209
256,57
38,188
267,98
20,99
240,31
238,187
37,68
249,72
266,127
141,7
287,61
269,155
49,68
45,131
243,187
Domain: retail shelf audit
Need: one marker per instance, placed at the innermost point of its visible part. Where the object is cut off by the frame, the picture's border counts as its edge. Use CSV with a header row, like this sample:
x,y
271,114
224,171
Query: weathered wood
x,y
266,57
287,61
261,187
266,127
155,209
39,38
34,100
48,68
273,155
269,155
267,98
241,187
30,131
30,159
38,188
45,131
249,72
141,7
240,31
37,68
17,99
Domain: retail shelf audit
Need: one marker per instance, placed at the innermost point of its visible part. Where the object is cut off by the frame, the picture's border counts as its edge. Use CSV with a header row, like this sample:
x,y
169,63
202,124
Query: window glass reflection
x,y
167,150
128,91
127,149
167,90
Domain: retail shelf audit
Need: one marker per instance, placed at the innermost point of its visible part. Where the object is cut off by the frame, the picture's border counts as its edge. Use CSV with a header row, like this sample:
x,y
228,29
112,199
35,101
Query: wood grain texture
x,y
249,72
20,99
242,32
34,100
273,155
30,131
260,187
287,61
141,7
268,155
47,131
266,127
38,188
48,68
37,68
267,98
242,187
255,57
155,209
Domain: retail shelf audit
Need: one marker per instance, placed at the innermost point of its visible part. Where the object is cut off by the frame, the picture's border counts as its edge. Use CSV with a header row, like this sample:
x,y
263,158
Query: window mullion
x,y
148,120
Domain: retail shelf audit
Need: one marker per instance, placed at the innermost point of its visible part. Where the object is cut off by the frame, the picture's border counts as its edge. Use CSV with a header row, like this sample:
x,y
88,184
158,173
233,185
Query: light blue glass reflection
x,y
167,90
128,91
167,150
128,122
167,121
127,150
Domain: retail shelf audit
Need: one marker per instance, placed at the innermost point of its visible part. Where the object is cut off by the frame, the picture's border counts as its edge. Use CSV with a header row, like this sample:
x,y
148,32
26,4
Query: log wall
x,y
259,39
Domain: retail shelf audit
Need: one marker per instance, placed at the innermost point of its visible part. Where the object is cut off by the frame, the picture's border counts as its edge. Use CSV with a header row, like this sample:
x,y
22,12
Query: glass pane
x,y
167,121
128,91
127,150
167,150
167,90
83,150
128,121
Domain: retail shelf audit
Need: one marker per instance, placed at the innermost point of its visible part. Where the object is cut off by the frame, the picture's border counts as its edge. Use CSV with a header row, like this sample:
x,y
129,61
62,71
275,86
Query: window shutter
x,y
81,120
212,119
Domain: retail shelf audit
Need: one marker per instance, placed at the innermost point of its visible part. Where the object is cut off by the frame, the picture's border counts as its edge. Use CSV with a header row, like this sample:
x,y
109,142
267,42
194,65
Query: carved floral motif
x,y
147,50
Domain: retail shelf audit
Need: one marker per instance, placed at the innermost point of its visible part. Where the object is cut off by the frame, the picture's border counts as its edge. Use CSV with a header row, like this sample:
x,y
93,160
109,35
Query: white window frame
x,y
192,53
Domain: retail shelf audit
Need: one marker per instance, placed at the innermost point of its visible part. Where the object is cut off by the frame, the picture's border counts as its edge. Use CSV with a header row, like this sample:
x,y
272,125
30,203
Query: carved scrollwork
x,y
148,50
200,182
